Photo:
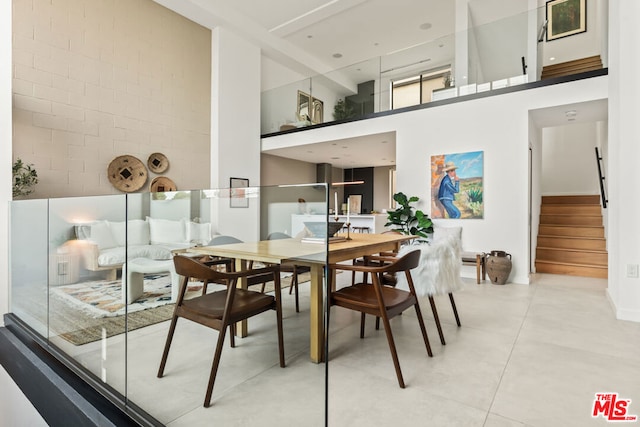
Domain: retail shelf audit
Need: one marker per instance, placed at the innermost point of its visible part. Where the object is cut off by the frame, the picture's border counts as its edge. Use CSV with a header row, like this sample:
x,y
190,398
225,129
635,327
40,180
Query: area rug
x,y
104,298
86,312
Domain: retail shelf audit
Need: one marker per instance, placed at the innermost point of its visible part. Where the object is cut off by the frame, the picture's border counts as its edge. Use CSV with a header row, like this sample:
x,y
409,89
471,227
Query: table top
x,y
293,250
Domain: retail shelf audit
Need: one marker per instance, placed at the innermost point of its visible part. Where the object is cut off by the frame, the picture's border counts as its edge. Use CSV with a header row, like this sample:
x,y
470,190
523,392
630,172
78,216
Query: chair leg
x,y
167,345
423,329
232,335
294,285
362,317
377,323
392,347
455,310
214,366
278,296
434,310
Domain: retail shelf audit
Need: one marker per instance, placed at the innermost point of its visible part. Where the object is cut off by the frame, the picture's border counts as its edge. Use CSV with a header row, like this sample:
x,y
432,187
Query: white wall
x,y
535,144
235,127
624,151
498,125
569,161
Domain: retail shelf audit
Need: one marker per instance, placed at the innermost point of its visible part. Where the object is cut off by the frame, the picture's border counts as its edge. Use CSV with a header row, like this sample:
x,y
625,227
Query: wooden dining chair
x,y
382,301
295,270
223,308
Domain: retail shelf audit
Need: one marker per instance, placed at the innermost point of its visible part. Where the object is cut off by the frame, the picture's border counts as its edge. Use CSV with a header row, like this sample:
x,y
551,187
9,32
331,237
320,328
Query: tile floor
x,y
525,356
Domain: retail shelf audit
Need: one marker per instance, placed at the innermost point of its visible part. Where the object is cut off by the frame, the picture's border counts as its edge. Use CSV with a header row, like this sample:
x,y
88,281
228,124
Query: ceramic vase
x,y
498,264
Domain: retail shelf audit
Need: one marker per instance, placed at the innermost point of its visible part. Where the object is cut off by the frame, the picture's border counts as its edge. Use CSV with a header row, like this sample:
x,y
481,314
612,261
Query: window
x,y
418,89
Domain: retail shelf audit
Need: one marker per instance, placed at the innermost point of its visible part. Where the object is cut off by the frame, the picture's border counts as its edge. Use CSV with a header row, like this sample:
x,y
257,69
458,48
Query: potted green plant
x,y
342,110
25,178
408,220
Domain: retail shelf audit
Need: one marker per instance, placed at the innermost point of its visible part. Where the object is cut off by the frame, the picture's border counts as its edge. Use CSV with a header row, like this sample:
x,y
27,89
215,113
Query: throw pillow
x,y
167,231
138,232
102,236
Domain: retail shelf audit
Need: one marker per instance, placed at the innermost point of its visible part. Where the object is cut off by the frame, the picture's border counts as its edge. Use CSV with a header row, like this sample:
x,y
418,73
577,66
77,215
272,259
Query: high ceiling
x,y
318,36
306,35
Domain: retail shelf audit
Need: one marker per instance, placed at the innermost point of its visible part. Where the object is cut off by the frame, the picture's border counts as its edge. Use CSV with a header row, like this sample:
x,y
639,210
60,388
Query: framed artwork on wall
x,y
355,203
317,111
237,194
566,18
457,185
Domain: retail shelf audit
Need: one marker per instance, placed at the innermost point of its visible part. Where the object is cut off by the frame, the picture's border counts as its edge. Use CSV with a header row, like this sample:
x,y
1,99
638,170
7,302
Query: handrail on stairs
x,y
602,192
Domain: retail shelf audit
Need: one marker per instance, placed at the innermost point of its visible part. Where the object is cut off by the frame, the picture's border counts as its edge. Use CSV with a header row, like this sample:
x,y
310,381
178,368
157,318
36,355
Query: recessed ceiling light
x,y
425,26
309,36
571,113
384,142
376,44
344,146
337,55
335,158
553,58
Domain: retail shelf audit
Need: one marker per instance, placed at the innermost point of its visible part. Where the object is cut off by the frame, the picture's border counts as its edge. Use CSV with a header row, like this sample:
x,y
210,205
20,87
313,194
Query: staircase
x,y
571,237
572,67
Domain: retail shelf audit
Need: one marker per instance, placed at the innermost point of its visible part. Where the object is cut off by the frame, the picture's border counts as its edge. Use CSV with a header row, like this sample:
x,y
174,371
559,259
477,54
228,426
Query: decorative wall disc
x,y
127,173
161,184
157,163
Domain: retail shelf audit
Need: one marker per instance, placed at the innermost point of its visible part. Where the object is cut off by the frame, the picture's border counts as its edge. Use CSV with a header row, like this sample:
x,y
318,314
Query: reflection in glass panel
x,y
87,315
249,384
29,261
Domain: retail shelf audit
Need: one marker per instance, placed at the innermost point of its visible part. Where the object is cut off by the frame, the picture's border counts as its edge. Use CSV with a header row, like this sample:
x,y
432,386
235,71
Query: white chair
x,y
437,274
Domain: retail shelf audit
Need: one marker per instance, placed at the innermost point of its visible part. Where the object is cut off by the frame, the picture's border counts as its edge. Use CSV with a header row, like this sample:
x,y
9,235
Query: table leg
x,y
242,329
317,316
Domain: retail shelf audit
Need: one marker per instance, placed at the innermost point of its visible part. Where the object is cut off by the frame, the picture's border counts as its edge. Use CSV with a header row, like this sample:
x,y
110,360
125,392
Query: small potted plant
x,y
408,220
25,178
342,110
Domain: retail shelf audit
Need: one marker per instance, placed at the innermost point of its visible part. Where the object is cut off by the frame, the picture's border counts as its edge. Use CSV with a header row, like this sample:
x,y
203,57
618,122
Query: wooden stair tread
x,y
574,264
572,67
571,236
555,236
595,251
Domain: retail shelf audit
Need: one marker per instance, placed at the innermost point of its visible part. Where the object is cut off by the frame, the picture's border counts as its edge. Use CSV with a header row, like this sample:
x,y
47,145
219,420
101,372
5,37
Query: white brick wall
x,y
96,79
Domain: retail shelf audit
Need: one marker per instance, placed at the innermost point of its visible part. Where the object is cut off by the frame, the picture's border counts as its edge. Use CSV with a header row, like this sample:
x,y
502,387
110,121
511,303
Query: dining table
x,y
296,251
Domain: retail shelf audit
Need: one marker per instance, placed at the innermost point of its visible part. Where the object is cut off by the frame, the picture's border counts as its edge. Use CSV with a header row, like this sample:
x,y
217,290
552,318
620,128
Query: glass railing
x,y
94,277
503,53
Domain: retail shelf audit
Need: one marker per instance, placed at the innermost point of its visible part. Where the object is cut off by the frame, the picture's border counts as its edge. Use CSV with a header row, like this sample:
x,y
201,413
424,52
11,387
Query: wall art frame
x,y
566,18
237,193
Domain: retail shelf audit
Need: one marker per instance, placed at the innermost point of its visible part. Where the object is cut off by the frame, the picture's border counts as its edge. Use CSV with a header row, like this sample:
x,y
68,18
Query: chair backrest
x,y
277,235
223,240
405,263
189,267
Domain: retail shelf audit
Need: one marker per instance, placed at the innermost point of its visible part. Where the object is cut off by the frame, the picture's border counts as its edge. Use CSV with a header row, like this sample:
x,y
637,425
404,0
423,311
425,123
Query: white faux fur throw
x,y
439,270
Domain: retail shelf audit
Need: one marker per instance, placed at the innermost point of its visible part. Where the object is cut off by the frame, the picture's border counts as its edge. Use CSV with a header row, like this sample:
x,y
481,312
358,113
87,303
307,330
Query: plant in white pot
x,y
25,178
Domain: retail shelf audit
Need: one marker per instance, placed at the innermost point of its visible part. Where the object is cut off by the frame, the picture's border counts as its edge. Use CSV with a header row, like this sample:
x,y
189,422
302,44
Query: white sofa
x,y
104,243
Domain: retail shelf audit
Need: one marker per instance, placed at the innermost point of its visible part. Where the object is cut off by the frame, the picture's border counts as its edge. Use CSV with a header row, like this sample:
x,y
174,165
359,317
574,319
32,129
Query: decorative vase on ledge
x,y
498,265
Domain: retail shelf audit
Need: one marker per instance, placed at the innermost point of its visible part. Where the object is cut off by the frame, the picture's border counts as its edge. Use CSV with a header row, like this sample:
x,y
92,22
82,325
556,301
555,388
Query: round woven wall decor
x,y
157,163
127,173
161,184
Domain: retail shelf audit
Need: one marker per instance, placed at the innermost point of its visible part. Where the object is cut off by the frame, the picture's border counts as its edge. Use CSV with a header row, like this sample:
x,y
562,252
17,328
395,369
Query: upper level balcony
x,y
532,48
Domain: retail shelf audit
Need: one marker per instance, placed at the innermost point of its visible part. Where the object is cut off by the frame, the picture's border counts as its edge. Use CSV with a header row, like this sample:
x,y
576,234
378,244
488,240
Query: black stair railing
x,y
602,191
